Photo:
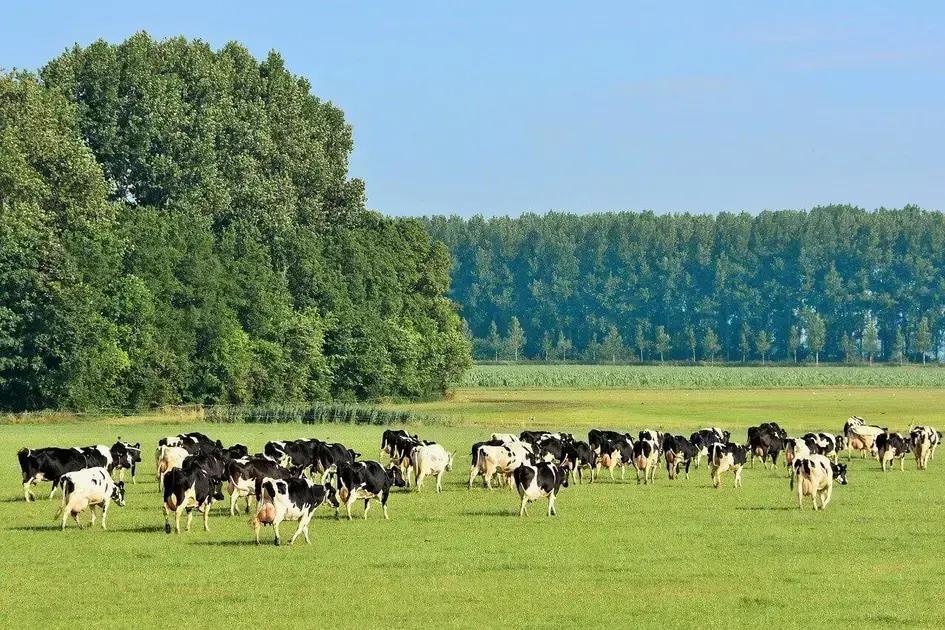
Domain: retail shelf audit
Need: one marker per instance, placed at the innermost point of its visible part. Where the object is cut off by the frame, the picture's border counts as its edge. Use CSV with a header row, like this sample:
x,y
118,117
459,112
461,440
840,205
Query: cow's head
x,y
839,473
331,495
563,468
397,477
118,493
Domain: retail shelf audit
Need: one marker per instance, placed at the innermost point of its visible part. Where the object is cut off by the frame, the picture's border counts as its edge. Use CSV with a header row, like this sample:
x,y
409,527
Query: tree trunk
x,y
816,359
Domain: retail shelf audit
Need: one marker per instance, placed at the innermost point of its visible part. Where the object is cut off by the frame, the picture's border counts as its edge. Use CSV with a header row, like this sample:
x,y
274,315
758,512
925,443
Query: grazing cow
x,y
534,481
678,451
923,440
581,455
725,457
126,456
244,476
365,480
328,455
293,499
488,460
645,458
815,476
430,459
48,464
187,488
88,488
890,447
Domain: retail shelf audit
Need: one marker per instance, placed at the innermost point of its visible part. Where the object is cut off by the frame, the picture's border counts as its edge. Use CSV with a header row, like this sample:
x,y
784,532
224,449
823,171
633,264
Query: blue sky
x,y
499,107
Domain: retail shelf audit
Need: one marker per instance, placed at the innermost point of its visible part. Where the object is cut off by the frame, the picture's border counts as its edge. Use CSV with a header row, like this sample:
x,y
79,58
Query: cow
x,y
389,440
766,444
861,436
724,457
293,453
678,451
187,488
126,456
890,447
400,453
922,439
645,458
328,455
613,454
505,438
703,438
246,473
50,464
596,437
430,459
292,499
365,480
194,443
815,476
795,448
534,481
89,488
581,455
169,458
488,460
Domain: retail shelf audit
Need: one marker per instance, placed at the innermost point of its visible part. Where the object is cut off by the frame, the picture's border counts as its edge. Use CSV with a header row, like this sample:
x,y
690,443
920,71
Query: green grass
x,y
677,554
698,377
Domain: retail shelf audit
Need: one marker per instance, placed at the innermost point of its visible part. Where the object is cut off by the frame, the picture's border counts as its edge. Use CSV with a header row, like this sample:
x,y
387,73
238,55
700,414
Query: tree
x,y
662,342
691,341
794,341
848,346
923,339
641,342
515,340
762,344
613,344
899,346
592,350
546,346
870,337
816,334
563,346
710,344
494,341
744,343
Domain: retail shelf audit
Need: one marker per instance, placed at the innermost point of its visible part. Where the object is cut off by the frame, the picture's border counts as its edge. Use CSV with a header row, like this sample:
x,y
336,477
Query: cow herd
x,y
290,479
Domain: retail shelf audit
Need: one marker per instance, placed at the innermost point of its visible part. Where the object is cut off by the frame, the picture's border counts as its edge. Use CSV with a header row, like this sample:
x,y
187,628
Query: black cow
x,y
389,440
51,463
193,485
194,442
581,455
765,442
366,480
534,481
596,437
678,451
329,455
290,500
293,453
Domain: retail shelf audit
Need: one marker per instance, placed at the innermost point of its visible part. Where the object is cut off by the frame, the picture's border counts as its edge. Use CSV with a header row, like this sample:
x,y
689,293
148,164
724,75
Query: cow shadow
x,y
766,508
501,512
239,543
141,529
41,528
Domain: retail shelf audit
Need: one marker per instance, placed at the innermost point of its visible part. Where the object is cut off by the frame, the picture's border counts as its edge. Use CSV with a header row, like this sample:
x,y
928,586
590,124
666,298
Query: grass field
x,y
677,554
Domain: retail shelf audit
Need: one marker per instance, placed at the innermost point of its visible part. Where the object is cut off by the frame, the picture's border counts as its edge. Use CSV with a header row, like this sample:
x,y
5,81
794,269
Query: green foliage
x,y
586,273
178,225
662,342
515,340
307,413
923,338
695,377
710,344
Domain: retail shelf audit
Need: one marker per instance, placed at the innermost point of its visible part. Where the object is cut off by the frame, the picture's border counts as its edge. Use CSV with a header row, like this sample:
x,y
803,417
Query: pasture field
x,y
676,554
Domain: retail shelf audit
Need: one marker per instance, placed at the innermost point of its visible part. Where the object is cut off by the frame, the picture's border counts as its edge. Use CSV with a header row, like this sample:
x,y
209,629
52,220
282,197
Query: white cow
x,y
168,458
923,439
815,476
289,500
430,459
86,489
489,460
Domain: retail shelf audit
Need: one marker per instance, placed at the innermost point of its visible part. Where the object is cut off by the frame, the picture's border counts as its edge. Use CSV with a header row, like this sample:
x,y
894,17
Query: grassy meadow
x,y
677,554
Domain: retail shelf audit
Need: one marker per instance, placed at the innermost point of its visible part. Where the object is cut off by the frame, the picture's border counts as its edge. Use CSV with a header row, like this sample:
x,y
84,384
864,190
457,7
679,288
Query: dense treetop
x,y
177,224
836,282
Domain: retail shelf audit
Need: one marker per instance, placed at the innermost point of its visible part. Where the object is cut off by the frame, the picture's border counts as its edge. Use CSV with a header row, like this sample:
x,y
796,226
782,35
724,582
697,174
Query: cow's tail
x,y
477,455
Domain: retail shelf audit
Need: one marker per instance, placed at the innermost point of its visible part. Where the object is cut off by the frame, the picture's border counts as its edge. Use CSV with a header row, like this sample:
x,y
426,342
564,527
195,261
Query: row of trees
x,y
647,344
830,284
177,224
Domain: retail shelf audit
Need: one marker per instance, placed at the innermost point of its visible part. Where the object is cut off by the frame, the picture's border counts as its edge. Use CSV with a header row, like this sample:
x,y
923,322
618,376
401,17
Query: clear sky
x,y
503,107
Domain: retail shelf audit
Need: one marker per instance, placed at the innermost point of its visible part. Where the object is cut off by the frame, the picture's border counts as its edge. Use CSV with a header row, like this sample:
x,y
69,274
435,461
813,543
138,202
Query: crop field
x,y
675,554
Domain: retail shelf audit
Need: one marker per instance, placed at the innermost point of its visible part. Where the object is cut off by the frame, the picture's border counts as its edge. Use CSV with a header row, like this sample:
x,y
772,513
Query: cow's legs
x,y
551,505
26,490
206,516
234,497
275,527
190,517
65,516
105,511
523,511
383,501
825,499
349,503
418,477
738,477
439,481
92,513
52,492
177,513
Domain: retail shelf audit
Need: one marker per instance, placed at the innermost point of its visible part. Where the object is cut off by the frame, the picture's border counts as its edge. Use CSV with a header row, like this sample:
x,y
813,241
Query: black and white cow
x,y
596,437
195,485
822,444
390,438
581,455
193,442
87,489
815,476
293,453
126,456
766,443
613,454
329,455
890,447
534,481
678,451
245,475
51,463
645,458
923,439
725,457
366,480
293,499
704,438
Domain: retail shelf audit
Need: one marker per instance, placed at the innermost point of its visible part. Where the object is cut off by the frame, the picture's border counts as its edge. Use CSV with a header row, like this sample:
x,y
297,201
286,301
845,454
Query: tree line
x,y
177,224
835,283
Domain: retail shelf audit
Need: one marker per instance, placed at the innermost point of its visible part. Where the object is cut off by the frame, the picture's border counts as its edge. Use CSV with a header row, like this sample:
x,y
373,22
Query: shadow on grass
x,y
43,528
141,529
766,508
238,543
493,512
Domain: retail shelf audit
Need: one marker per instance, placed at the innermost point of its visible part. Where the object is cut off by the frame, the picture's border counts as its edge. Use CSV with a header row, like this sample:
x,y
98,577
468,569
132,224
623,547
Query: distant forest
x,y
835,283
177,225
